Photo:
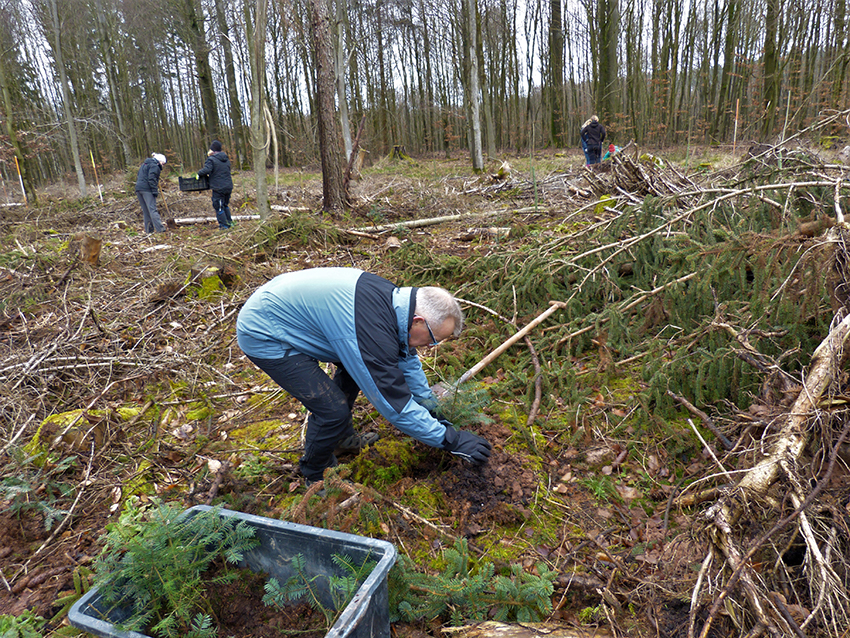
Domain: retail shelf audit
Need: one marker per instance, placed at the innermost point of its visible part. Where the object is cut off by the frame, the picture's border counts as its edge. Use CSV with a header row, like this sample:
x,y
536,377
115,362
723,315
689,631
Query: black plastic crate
x,y
366,616
192,184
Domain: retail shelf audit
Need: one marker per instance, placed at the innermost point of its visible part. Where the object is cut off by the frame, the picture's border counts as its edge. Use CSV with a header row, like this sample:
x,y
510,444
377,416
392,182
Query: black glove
x,y
466,445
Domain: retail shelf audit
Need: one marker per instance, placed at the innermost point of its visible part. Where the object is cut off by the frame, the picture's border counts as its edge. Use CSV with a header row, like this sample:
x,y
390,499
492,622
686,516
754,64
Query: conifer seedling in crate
x,y
151,575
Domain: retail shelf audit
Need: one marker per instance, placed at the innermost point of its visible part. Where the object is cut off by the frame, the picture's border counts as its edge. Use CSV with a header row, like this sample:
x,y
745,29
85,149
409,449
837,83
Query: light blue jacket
x,y
353,318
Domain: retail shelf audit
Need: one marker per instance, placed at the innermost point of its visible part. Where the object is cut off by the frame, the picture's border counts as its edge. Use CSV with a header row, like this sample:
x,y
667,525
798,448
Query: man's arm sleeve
x,y
207,169
383,383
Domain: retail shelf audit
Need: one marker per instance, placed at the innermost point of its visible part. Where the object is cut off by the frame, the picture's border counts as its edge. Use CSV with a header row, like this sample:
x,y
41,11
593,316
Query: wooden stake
x,y
21,180
735,134
97,181
554,305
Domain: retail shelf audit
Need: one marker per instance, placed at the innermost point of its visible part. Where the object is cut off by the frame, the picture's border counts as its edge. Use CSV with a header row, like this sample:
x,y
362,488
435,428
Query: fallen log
x,y
186,221
492,629
433,221
783,461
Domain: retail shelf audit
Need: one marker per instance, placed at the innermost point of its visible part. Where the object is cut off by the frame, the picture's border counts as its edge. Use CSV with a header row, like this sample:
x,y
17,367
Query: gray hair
x,y
437,305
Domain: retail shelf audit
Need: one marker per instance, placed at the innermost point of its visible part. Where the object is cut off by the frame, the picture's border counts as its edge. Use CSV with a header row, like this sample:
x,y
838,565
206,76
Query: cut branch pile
x,y
796,487
703,292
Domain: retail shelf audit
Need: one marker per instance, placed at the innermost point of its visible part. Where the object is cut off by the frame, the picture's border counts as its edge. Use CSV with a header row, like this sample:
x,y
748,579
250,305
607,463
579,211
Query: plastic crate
x,y
192,184
366,616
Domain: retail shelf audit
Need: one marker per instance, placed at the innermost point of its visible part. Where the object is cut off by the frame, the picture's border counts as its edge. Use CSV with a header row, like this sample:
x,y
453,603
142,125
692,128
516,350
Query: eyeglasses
x,y
434,340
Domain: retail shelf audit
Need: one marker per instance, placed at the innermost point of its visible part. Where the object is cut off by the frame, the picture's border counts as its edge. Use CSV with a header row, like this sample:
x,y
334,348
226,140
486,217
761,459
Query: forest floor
x,y
123,379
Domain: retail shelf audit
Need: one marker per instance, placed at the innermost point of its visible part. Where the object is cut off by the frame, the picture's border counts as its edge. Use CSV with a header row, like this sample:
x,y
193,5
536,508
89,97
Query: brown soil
x,y
478,500
241,612
38,587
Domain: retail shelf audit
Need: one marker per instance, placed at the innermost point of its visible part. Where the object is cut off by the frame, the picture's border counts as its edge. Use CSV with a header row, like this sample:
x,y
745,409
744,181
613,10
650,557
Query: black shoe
x,y
356,442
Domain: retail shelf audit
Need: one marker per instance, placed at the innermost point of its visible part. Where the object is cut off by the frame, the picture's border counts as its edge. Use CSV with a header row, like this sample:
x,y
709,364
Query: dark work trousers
x,y
221,205
329,401
150,216
594,153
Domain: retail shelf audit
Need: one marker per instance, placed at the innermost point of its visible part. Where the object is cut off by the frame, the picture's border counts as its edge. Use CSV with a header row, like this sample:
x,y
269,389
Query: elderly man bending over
x,y
370,329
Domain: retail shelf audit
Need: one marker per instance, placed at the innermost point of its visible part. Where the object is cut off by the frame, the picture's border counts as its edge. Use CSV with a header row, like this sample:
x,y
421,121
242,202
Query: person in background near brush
x,y
593,135
584,143
217,167
147,189
370,329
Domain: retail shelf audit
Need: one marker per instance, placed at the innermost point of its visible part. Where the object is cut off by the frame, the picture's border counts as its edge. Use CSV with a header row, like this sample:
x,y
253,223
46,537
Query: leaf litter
x,y
624,524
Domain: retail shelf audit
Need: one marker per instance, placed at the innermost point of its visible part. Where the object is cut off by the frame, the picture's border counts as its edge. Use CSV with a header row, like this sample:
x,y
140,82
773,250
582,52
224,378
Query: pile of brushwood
x,y
721,296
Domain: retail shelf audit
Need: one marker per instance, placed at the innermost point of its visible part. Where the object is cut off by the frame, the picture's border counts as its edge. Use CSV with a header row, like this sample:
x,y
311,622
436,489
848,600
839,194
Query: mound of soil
x,y
240,611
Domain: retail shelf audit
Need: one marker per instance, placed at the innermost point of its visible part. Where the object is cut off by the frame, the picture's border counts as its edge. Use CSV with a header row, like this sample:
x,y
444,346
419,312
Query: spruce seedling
x,y
463,592
155,563
463,406
300,585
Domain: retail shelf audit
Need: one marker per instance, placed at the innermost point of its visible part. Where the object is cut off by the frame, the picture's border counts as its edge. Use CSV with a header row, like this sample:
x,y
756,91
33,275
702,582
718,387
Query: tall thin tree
x,y
236,123
333,193
255,28
66,97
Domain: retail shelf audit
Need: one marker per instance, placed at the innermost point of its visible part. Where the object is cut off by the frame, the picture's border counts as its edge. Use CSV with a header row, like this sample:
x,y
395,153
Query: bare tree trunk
x,y
198,43
718,127
339,71
556,73
771,68
609,33
233,95
255,27
333,193
66,99
472,87
11,131
106,42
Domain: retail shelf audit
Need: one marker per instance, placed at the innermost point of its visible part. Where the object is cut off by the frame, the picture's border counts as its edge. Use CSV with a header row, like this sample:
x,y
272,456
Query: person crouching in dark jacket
x,y
217,167
147,189
593,135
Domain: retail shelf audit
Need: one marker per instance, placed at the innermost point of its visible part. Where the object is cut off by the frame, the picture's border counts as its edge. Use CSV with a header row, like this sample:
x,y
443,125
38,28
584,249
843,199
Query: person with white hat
x,y
147,189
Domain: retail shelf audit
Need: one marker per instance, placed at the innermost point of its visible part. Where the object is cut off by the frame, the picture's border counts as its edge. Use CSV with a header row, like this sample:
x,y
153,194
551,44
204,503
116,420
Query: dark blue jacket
x,y
148,177
217,167
593,134
350,317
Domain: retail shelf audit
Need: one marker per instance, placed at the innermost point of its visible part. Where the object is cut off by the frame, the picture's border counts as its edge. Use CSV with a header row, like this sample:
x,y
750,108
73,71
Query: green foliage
x,y
463,592
602,487
27,625
739,270
83,577
299,228
590,615
154,560
32,489
464,405
300,585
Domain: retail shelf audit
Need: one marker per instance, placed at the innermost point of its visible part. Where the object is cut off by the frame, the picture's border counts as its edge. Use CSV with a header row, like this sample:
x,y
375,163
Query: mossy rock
x,y
384,463
425,498
271,434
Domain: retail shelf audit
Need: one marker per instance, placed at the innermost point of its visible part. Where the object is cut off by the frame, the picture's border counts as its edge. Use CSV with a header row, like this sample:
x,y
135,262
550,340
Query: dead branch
x,y
706,420
785,454
538,377
555,306
433,221
219,477
743,565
